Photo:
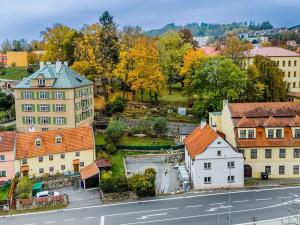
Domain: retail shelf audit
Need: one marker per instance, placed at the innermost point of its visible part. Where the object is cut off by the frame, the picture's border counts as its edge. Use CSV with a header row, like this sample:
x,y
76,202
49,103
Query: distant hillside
x,y
160,31
295,27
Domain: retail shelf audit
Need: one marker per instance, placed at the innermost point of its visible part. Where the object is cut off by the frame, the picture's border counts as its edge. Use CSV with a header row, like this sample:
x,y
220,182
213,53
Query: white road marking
x,y
263,199
218,203
284,197
29,224
68,220
102,220
154,210
147,216
50,222
192,206
89,217
241,201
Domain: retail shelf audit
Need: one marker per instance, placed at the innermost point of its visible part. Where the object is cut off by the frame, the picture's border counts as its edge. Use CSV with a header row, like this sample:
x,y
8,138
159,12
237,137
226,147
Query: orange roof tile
x,y
295,122
211,51
89,171
271,52
75,139
198,141
7,140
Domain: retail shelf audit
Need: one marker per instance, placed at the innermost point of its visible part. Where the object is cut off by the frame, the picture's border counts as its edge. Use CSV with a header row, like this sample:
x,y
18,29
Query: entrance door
x,y
76,168
247,171
25,173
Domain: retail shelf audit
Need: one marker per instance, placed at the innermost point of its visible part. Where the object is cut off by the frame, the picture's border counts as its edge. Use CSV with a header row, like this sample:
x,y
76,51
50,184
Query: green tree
x,y
143,184
114,131
160,126
107,55
172,49
24,188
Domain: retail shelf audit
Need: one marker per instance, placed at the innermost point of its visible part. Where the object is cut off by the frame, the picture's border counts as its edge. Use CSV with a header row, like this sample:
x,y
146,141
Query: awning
x,y
24,168
89,171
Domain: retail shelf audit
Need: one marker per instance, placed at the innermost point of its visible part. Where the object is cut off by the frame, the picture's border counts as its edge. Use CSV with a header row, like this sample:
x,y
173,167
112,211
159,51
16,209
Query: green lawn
x,y
99,139
14,73
145,141
117,161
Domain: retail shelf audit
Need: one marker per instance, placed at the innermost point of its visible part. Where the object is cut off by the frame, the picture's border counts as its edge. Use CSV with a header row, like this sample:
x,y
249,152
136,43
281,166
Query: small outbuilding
x,y
103,164
90,176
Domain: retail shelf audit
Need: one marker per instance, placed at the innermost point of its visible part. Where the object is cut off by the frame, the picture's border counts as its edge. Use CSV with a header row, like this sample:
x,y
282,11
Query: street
x,y
211,209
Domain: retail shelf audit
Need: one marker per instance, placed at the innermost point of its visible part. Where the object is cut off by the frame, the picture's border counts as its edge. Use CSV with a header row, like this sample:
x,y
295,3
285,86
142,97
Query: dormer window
x,y
270,133
243,134
297,133
38,142
275,133
41,82
278,133
58,139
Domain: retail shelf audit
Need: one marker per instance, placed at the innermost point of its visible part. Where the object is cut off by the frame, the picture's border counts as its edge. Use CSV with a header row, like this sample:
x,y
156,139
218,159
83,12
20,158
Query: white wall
x,y
219,168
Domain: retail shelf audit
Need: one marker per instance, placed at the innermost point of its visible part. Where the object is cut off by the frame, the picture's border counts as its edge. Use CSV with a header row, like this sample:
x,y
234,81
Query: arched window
x,y
58,139
38,142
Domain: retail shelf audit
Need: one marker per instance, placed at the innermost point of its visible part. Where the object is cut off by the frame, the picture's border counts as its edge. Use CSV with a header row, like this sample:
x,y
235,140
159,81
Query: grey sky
x,y
26,18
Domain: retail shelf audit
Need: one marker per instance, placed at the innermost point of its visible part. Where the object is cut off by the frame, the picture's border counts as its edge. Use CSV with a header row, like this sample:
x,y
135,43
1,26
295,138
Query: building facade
x,y
63,151
54,97
287,61
7,155
211,161
268,135
18,59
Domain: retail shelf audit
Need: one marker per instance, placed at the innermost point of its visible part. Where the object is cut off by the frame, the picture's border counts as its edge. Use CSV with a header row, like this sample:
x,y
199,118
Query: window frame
x,y
207,180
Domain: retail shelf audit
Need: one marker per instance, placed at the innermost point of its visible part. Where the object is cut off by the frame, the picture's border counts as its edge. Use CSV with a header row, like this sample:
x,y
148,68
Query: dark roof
x,y
184,130
103,163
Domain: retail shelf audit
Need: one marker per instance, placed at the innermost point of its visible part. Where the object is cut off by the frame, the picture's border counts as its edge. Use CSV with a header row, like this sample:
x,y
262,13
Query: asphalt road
x,y
210,209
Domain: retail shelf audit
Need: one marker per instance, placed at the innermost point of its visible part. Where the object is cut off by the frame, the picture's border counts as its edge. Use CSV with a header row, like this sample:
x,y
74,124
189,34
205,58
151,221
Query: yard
x,y
3,193
13,73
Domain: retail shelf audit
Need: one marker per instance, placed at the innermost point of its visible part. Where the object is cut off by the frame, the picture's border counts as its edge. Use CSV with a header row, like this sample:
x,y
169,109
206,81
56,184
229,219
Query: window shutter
x,y
65,107
54,120
22,95
63,95
47,95
33,95
23,108
23,119
65,120
34,120
33,107
53,108
49,108
39,120
49,120
37,95
38,108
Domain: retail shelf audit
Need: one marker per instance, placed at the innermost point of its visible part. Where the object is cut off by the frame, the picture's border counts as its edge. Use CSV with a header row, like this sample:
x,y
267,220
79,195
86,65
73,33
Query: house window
x,y
44,120
51,169
283,63
24,161
289,63
281,153
268,169
207,166
219,153
41,82
230,164
50,157
295,73
2,157
45,128
44,108
59,108
253,153
28,107
270,133
43,95
297,133
296,153
60,120
296,169
207,180
295,62
58,139
28,95
41,170
294,84
281,170
62,156
250,134
28,120
289,74
243,134
230,179
62,167
59,95
77,154
38,142
82,164
2,173
41,159
268,153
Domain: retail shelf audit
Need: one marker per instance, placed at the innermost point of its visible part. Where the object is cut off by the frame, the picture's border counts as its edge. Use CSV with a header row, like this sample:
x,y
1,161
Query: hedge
x,y
130,147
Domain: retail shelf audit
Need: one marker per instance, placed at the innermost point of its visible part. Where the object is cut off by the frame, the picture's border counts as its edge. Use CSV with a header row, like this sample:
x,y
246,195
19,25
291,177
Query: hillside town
x,y
195,124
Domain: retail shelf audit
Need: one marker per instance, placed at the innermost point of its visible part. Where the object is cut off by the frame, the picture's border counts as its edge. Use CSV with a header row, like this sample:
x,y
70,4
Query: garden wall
x,y
33,203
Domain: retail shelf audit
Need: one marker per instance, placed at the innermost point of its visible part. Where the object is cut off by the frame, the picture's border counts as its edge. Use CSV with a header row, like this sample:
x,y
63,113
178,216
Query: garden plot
x,y
167,180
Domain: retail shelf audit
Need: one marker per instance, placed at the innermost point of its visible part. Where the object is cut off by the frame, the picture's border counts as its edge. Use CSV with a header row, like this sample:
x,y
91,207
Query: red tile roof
x,y
89,171
7,140
198,141
211,51
75,139
295,122
271,52
294,94
102,163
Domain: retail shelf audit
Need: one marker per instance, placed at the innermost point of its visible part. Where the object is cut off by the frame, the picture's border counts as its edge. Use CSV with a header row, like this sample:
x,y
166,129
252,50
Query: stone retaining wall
x,y
117,197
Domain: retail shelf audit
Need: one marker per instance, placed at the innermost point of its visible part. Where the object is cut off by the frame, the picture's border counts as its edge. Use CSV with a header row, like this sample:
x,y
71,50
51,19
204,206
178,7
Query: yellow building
x,y
54,97
287,61
63,151
268,133
18,59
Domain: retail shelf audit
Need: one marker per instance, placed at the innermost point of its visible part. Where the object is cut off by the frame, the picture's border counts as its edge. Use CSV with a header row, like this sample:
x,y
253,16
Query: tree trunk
x,y
123,87
170,88
133,95
155,96
103,81
150,94
142,94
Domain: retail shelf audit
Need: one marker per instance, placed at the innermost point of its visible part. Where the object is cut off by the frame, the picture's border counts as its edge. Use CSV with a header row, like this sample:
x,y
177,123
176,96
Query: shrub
x,y
115,106
13,64
143,184
114,184
160,126
114,131
106,175
102,155
111,148
24,188
141,127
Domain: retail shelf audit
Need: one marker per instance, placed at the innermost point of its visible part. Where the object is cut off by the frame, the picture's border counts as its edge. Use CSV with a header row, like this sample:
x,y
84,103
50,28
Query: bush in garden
x,y
115,106
114,184
160,126
141,127
24,188
114,131
102,155
106,175
110,148
143,184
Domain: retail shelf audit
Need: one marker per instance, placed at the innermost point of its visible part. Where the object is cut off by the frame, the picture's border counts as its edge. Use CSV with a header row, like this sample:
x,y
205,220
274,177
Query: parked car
x,y
46,194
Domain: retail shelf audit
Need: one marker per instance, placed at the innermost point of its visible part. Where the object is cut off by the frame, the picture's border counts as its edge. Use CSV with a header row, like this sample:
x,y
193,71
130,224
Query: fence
x,y
149,148
32,203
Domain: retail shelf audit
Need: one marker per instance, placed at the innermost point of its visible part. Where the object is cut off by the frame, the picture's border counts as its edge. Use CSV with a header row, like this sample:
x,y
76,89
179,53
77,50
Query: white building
x,y
211,161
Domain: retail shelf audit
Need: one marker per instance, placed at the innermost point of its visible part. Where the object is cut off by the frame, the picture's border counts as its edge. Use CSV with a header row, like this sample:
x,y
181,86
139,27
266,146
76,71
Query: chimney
x,y
202,123
42,65
66,63
57,66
